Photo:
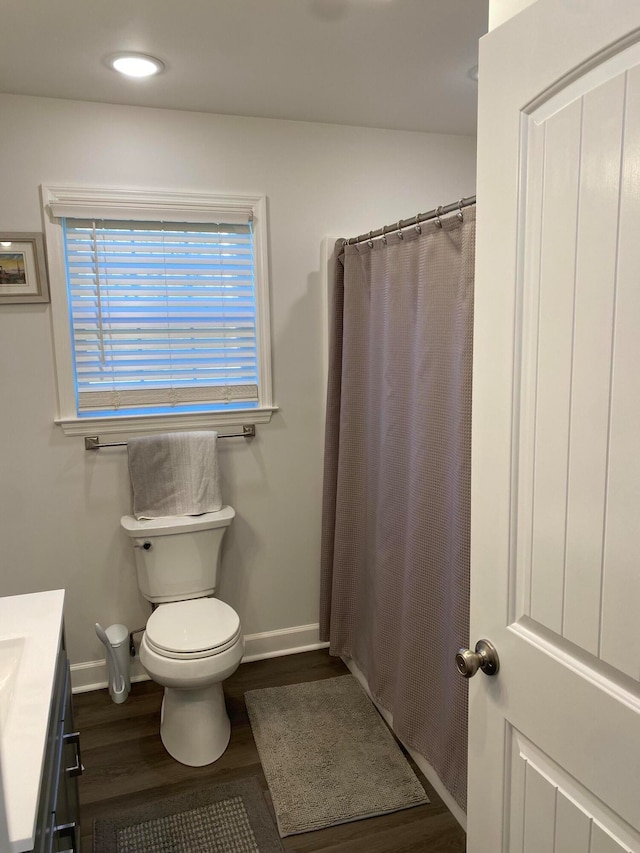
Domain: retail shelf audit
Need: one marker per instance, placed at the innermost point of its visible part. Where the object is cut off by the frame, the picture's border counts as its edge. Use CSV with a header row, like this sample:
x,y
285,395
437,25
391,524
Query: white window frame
x,y
151,205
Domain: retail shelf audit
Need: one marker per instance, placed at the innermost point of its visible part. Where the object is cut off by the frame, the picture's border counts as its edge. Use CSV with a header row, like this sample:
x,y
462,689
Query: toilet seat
x,y
193,629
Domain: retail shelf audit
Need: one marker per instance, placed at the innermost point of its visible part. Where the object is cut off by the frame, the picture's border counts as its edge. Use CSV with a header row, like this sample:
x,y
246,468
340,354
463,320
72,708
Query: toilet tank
x,y
177,557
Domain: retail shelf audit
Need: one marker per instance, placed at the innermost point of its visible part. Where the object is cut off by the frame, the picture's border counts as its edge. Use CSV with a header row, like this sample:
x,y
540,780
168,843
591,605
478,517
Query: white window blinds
x,y
163,315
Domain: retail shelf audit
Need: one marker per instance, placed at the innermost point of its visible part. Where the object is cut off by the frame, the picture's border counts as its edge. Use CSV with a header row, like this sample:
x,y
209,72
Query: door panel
x,y
551,813
554,752
591,361
558,160
620,643
581,174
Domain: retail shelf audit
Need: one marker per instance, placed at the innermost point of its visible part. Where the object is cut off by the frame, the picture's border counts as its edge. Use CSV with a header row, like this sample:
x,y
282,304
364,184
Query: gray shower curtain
x,y
396,503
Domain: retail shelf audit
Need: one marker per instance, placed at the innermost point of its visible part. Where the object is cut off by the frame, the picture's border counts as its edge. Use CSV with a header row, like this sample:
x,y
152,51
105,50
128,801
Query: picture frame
x,y
23,269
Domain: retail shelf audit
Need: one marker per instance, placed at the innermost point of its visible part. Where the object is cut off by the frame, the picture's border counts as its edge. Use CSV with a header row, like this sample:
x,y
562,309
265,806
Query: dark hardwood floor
x,y
126,764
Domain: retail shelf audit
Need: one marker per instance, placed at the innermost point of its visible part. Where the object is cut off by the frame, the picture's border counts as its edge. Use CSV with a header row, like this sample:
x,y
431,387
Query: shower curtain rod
x,y
415,221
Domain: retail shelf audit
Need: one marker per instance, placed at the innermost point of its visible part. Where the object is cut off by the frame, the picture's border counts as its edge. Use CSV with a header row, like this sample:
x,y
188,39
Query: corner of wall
x,y
501,10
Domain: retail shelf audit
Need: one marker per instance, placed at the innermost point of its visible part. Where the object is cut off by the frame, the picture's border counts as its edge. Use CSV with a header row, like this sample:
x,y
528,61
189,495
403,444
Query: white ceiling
x,y
399,64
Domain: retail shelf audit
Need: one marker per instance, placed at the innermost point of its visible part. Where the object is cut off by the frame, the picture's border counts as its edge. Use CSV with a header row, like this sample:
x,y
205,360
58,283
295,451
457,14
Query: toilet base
x,y
194,724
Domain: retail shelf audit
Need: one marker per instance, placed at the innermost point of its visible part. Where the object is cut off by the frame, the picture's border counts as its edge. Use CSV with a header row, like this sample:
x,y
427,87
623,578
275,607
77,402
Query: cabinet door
x,y
71,759
58,819
66,812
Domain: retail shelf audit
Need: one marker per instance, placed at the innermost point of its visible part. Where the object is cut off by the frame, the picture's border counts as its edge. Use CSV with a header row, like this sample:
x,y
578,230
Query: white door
x,y
554,740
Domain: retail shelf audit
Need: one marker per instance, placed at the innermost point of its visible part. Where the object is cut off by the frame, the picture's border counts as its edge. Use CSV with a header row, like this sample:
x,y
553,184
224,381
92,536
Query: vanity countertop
x,y
30,634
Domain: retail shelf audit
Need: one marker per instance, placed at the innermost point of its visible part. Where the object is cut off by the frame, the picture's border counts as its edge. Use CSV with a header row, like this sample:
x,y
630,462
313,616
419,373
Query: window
x,y
162,315
160,309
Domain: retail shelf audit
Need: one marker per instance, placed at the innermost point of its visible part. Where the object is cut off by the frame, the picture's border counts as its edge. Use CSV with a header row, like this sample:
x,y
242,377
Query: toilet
x,y
192,641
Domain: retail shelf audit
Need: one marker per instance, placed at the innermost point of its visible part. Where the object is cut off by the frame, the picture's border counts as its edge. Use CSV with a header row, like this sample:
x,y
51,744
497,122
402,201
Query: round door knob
x,y
485,658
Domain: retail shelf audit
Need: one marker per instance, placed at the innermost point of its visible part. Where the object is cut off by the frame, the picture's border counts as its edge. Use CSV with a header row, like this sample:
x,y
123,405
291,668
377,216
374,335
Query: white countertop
x,y
30,632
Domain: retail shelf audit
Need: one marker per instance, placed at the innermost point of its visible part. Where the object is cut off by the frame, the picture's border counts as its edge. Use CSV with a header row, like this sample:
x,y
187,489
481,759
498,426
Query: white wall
x,y
59,505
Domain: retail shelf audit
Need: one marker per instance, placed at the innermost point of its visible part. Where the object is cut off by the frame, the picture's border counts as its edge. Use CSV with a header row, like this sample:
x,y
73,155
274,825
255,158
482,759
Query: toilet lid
x,y
197,627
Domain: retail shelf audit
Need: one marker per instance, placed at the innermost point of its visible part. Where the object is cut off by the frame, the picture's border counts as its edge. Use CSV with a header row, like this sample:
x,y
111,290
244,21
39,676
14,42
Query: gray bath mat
x,y
226,818
328,756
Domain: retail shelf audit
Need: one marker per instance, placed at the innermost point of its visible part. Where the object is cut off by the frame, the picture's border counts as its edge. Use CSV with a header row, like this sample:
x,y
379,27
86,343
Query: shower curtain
x,y
396,502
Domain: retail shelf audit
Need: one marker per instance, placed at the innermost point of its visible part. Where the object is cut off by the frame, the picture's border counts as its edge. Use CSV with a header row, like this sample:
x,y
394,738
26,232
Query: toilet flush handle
x,y
145,545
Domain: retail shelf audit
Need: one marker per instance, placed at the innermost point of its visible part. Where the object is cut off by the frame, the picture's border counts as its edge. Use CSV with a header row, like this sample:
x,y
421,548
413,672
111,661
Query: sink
x,y
10,654
30,641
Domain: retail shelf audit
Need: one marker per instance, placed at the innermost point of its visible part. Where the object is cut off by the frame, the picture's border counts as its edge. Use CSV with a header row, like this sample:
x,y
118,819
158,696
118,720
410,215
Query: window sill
x,y
163,423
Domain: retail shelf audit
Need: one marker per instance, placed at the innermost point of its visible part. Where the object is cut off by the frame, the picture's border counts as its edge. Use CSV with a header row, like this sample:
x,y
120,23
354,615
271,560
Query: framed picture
x,y
23,272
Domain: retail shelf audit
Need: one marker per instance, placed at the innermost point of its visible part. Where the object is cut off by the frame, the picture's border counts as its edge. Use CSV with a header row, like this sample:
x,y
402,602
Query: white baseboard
x,y
420,760
285,641
92,675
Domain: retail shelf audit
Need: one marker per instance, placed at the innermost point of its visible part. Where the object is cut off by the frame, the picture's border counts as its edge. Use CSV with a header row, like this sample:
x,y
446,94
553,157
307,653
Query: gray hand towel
x,y
174,474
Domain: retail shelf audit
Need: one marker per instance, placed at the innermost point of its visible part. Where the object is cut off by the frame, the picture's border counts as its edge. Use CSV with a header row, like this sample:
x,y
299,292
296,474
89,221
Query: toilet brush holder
x,y
116,642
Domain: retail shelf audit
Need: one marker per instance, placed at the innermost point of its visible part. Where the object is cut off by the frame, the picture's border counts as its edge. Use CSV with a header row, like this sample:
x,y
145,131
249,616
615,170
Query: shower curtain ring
x,y
384,236
417,226
437,216
399,232
460,214
370,240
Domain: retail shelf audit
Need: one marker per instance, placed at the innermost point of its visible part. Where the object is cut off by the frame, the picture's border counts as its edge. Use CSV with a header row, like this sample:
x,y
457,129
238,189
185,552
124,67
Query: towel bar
x,y
93,442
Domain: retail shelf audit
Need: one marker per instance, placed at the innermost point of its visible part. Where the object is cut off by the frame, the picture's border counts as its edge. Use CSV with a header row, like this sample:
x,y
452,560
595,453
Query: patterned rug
x,y
226,818
328,756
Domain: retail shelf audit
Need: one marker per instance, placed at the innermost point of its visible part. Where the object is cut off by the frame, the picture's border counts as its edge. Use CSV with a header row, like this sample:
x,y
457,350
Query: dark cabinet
x,y
58,821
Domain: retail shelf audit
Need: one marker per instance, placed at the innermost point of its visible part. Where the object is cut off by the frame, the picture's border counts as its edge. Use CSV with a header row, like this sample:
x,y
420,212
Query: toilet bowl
x,y
190,647
192,641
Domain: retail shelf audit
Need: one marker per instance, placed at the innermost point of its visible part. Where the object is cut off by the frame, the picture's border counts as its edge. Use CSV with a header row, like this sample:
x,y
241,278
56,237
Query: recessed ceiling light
x,y
135,64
